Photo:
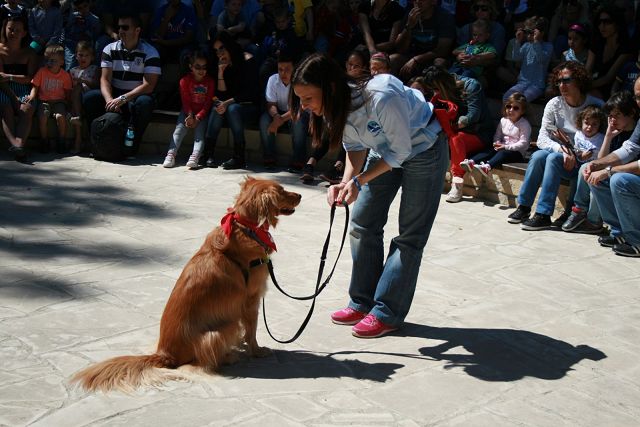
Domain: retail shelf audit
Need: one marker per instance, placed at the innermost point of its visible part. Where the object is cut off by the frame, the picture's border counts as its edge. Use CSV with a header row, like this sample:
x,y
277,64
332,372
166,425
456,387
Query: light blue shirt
x,y
630,149
392,120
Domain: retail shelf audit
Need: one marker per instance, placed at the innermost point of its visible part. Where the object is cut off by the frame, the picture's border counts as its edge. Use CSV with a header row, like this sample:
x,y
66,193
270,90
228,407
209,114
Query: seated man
x,y
277,114
172,30
130,70
615,184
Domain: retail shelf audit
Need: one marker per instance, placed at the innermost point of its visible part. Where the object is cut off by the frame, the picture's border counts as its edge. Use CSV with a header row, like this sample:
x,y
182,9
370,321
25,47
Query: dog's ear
x,y
269,205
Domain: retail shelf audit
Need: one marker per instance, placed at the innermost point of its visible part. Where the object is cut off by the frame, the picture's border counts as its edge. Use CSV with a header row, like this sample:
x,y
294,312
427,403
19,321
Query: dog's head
x,y
263,200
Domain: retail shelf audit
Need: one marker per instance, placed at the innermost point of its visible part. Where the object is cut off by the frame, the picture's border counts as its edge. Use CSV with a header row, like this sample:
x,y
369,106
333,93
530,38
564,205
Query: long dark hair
x,y
25,25
440,80
323,72
235,51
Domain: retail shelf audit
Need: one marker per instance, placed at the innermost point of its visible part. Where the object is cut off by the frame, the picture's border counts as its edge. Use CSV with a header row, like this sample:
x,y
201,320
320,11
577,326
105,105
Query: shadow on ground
x,y
486,354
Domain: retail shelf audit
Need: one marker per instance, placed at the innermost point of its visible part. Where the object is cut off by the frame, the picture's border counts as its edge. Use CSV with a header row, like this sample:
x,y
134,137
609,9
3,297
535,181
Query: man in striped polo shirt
x,y
130,71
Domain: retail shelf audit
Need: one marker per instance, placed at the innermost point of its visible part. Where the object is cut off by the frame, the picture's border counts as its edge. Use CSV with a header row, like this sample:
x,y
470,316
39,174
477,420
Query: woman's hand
x,y
333,192
569,161
221,108
345,192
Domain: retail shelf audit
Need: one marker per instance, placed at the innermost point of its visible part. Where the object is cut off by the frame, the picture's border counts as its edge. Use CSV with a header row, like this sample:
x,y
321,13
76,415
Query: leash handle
x,y
318,287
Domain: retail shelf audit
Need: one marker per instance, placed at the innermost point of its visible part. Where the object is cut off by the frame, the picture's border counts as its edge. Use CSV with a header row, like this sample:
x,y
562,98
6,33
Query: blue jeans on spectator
x,y
583,199
619,200
181,131
298,130
545,171
236,116
137,112
529,91
386,288
497,158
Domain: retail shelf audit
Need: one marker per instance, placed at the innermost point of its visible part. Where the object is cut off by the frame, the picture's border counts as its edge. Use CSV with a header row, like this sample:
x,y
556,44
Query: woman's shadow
x,y
486,354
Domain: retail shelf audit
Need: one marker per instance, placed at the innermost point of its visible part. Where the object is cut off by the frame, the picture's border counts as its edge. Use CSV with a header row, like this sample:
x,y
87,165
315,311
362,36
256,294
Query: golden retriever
x,y
213,308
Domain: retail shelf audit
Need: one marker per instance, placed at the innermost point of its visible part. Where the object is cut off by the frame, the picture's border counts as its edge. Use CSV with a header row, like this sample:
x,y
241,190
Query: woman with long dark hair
x,y
391,130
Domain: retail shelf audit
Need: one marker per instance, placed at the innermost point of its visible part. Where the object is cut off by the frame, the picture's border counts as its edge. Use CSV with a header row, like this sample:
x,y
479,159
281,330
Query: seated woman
x,y
623,112
555,159
18,64
237,90
473,128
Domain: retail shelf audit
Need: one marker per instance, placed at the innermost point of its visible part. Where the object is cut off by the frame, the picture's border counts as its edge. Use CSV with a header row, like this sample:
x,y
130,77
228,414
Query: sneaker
x,y
610,241
455,194
520,214
537,222
577,217
233,163
192,163
295,167
75,120
334,174
484,168
347,316
19,153
588,227
557,223
307,174
170,160
468,165
626,249
371,327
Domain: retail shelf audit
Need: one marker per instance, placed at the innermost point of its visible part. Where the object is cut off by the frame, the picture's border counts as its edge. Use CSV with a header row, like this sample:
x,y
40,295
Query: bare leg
x,y
25,117
8,124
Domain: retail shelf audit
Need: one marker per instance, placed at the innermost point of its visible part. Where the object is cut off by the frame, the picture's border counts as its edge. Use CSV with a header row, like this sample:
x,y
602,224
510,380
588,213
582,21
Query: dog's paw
x,y
258,351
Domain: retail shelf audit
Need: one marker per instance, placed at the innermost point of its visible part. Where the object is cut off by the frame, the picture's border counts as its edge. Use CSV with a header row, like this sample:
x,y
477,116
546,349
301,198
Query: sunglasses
x,y
512,107
199,67
605,21
480,7
565,80
124,27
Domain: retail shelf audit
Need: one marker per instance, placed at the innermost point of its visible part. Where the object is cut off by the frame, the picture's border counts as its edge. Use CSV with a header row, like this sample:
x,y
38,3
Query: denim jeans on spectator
x,y
497,158
236,116
529,91
181,131
544,171
137,112
583,199
298,130
386,288
619,201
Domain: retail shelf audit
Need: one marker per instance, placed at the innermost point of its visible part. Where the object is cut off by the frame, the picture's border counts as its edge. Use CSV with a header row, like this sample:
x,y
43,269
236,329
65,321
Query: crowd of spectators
x,y
74,60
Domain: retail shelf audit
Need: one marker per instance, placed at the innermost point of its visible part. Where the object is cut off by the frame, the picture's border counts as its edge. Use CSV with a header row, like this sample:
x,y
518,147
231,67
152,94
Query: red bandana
x,y
261,232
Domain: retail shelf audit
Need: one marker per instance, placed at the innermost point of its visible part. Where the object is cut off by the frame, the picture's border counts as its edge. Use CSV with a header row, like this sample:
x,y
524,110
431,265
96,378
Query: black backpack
x,y
107,137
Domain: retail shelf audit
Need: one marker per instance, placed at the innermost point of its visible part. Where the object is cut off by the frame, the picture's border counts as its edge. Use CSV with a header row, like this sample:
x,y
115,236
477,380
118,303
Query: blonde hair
x,y
53,50
515,98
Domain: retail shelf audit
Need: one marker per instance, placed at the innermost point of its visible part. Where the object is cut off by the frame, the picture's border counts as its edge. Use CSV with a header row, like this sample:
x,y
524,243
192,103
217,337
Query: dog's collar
x,y
252,264
259,233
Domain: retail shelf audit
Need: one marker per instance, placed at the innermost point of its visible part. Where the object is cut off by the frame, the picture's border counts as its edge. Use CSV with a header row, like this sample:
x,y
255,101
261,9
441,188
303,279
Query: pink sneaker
x,y
347,316
371,327
468,165
484,168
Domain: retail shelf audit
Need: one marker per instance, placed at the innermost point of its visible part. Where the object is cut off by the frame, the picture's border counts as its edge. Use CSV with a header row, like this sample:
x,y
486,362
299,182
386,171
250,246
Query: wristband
x,y
357,183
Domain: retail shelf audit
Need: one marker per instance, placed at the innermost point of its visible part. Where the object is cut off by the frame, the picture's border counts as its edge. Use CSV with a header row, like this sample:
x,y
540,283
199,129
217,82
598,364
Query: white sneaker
x,y
170,160
484,168
468,165
455,194
193,160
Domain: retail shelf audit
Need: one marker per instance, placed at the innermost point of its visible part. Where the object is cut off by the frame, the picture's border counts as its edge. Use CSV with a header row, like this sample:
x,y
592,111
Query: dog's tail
x,y
125,373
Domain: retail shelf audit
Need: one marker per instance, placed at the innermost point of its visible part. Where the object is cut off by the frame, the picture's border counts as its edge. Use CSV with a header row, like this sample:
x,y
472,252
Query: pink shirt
x,y
515,136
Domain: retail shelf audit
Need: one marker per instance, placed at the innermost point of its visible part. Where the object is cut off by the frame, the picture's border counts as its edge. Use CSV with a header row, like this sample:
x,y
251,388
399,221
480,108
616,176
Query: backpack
x,y
107,137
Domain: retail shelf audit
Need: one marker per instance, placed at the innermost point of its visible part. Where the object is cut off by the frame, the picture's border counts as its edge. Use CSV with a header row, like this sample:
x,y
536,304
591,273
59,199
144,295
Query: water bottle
x,y
469,49
128,139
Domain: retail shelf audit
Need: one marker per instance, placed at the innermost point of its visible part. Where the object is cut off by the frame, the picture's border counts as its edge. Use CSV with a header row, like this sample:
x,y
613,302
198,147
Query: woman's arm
x,y
366,32
611,72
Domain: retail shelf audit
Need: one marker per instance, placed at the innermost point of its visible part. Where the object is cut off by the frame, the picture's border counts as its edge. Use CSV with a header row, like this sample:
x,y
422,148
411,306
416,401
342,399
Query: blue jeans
x,y
181,131
545,171
137,112
298,130
529,91
236,115
497,158
386,288
583,199
619,202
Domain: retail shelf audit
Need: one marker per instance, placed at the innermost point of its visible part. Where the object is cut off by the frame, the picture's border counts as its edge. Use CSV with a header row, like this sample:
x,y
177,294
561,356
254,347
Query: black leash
x,y
319,287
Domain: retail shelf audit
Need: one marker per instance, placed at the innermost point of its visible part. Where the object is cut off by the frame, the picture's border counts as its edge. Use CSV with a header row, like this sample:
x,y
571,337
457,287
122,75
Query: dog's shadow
x,y
486,354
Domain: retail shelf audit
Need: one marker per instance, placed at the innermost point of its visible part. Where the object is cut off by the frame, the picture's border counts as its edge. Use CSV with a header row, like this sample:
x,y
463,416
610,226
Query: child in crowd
x,y
627,76
535,55
420,83
357,62
589,137
578,40
45,24
233,21
82,25
380,63
12,8
478,48
197,93
85,76
52,87
511,140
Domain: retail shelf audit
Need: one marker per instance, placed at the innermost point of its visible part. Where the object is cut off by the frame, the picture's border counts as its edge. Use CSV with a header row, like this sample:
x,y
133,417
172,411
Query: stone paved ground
x,y
507,327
